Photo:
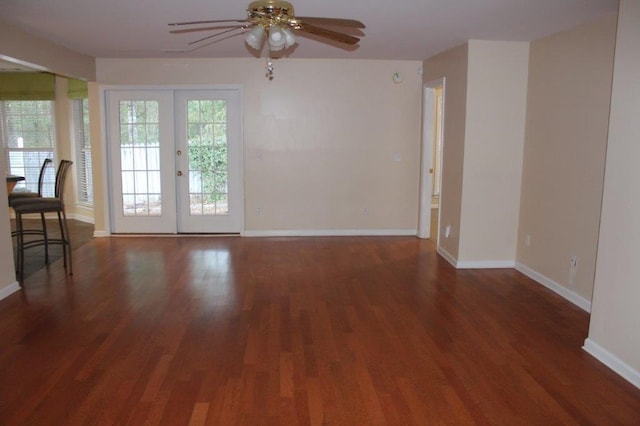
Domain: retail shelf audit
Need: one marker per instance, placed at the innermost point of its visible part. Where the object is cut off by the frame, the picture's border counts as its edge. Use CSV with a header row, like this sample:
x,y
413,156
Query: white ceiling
x,y
402,29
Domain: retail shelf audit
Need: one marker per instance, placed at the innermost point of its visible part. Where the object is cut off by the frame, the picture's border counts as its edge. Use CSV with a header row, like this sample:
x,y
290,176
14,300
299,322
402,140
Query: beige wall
x,y
613,332
19,46
485,94
319,140
566,134
98,165
8,282
65,149
452,65
494,140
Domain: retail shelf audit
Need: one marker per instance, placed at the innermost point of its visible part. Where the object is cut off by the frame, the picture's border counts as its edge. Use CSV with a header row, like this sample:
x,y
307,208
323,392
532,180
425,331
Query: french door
x,y
175,161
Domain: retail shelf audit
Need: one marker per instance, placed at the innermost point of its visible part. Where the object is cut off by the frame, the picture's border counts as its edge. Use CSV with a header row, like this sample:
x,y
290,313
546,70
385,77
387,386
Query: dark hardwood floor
x,y
80,232
340,331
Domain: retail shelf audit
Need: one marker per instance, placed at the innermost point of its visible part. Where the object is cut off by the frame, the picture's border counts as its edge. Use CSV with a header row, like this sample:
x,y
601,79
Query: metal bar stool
x,y
42,205
21,195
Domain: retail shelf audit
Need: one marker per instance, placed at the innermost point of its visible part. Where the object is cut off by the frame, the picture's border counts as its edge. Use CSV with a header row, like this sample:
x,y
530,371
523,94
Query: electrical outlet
x,y
365,211
259,210
527,240
573,262
573,268
447,231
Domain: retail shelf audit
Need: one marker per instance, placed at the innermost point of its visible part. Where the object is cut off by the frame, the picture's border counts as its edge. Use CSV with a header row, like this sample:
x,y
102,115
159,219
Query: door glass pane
x,y
140,158
208,157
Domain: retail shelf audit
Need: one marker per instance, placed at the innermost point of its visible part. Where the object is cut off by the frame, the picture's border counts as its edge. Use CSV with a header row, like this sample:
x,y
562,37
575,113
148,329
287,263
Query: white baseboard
x,y
81,218
571,296
9,290
447,256
483,264
314,233
486,264
330,233
613,362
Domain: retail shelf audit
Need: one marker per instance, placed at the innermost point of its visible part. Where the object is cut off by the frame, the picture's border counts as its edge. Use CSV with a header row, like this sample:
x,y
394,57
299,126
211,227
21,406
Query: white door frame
x,y
164,223
426,158
234,221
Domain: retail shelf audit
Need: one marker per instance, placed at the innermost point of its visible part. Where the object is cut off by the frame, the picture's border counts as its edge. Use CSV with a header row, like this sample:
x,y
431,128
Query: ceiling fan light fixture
x,y
290,39
277,38
275,21
255,37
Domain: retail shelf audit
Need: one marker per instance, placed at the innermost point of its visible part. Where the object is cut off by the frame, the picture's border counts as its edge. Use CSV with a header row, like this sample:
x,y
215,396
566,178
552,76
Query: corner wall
x,y
494,140
452,65
8,283
613,332
566,137
19,46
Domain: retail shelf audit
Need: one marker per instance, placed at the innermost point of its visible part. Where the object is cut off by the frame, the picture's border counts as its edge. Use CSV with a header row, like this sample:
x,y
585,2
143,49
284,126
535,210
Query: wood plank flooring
x,y
308,331
81,233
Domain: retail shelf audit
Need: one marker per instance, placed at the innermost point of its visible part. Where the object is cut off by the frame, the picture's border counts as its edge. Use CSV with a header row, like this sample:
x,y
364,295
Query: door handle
x,y
179,173
179,153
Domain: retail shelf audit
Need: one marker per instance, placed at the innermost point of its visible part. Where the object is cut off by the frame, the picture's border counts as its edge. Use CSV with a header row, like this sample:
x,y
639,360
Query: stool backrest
x,y
43,170
61,176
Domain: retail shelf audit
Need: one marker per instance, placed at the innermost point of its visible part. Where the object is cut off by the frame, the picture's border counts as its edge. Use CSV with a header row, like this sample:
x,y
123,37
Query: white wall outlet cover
x,y
397,77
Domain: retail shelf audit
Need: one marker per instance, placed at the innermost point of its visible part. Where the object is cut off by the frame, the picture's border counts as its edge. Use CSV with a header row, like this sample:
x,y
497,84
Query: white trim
x,y
104,147
447,256
329,233
428,125
613,362
481,264
80,217
559,289
9,290
485,264
100,234
426,148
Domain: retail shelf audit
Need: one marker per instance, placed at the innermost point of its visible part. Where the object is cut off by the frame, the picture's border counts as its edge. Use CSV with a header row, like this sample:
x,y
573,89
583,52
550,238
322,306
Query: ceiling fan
x,y
275,18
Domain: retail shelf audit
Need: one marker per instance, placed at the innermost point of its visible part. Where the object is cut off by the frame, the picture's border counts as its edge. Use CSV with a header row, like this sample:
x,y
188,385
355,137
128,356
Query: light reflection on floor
x,y
212,278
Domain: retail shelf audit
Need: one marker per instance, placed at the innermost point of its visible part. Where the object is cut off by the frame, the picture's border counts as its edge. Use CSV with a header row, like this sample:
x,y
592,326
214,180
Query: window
x,y
84,173
27,131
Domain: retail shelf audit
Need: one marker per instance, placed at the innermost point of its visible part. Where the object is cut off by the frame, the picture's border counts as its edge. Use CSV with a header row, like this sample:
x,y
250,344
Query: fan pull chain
x,y
269,73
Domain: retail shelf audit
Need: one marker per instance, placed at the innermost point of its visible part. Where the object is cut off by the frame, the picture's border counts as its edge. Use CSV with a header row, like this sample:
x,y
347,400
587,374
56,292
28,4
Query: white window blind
x,y
27,130
84,173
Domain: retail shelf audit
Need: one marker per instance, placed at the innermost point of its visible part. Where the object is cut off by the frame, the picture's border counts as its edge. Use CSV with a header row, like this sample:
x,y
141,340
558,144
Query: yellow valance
x,y
27,86
77,89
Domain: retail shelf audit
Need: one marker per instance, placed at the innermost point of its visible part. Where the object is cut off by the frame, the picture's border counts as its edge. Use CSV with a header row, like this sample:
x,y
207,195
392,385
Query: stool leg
x,y
17,235
62,239
66,240
46,238
20,247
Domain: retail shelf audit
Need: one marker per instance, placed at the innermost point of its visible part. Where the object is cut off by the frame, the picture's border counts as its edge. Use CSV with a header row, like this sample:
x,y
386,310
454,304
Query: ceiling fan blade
x,y
217,21
332,22
332,35
193,30
218,34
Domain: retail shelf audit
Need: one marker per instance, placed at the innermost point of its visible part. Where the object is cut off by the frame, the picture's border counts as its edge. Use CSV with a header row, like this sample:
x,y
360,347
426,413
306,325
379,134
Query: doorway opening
x,y
431,160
